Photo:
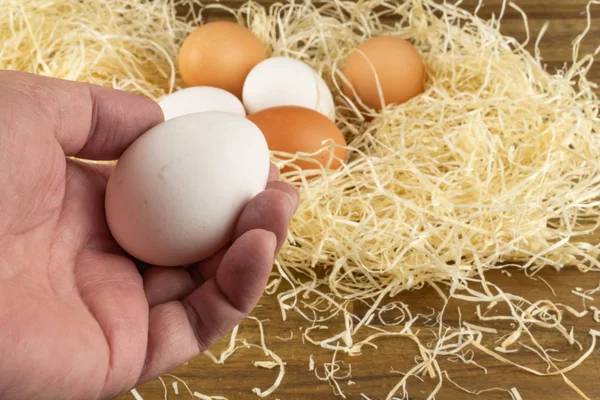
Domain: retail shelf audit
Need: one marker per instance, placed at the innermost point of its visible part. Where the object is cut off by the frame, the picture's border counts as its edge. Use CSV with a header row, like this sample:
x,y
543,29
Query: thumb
x,y
88,121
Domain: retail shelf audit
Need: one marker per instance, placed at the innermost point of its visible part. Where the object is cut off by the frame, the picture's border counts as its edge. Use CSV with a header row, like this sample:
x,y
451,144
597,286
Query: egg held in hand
x,y
389,63
220,54
200,99
293,129
176,193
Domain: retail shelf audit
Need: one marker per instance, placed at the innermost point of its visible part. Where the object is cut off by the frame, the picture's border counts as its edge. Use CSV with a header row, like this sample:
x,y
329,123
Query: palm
x,y
77,318
87,313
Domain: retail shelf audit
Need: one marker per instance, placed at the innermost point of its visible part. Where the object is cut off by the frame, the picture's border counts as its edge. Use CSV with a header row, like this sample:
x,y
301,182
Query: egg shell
x,y
200,99
284,81
220,54
293,129
178,190
393,62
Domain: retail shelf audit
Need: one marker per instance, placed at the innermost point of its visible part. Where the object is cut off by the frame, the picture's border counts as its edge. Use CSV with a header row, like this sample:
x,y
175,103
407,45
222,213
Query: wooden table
x,y
372,371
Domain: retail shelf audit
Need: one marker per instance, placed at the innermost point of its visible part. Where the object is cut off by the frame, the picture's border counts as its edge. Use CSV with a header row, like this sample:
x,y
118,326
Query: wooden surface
x,y
372,371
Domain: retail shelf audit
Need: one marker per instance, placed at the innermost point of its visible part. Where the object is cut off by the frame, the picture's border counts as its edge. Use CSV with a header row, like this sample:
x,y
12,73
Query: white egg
x,y
284,81
178,190
199,99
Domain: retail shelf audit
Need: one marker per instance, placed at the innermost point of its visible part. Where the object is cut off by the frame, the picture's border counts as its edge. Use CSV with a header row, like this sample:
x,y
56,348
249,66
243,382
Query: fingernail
x,y
294,198
273,173
274,244
289,190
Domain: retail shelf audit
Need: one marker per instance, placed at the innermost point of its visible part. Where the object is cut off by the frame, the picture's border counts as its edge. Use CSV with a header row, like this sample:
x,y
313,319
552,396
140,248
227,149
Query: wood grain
x,y
372,371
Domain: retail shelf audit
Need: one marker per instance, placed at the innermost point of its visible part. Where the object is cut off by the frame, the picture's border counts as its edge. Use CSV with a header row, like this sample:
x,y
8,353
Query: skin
x,y
77,317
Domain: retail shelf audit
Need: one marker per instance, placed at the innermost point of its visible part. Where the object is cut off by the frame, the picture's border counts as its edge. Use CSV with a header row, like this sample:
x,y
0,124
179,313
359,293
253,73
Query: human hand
x,y
77,320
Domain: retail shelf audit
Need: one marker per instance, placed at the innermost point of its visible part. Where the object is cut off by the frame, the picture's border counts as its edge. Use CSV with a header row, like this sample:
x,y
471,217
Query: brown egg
x,y
220,54
392,61
294,129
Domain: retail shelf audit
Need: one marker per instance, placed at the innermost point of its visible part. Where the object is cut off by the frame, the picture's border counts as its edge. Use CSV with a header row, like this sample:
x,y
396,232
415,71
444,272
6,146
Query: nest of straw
x,y
496,164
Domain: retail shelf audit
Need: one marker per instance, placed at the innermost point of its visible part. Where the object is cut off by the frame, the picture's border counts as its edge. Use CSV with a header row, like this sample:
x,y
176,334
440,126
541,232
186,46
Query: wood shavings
x,y
578,314
236,344
276,360
548,285
185,385
515,394
511,391
134,49
201,396
286,339
480,328
136,394
582,295
557,371
407,209
589,293
164,385
596,311
266,364
331,375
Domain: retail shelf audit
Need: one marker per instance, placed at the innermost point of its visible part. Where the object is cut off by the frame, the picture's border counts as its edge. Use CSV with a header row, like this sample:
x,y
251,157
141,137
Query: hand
x,y
77,319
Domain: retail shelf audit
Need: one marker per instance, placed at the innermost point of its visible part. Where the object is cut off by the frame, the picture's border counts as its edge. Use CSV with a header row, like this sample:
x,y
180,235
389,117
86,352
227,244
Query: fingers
x,y
243,274
271,210
179,331
230,284
207,269
111,289
167,284
286,188
273,173
88,121
115,120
